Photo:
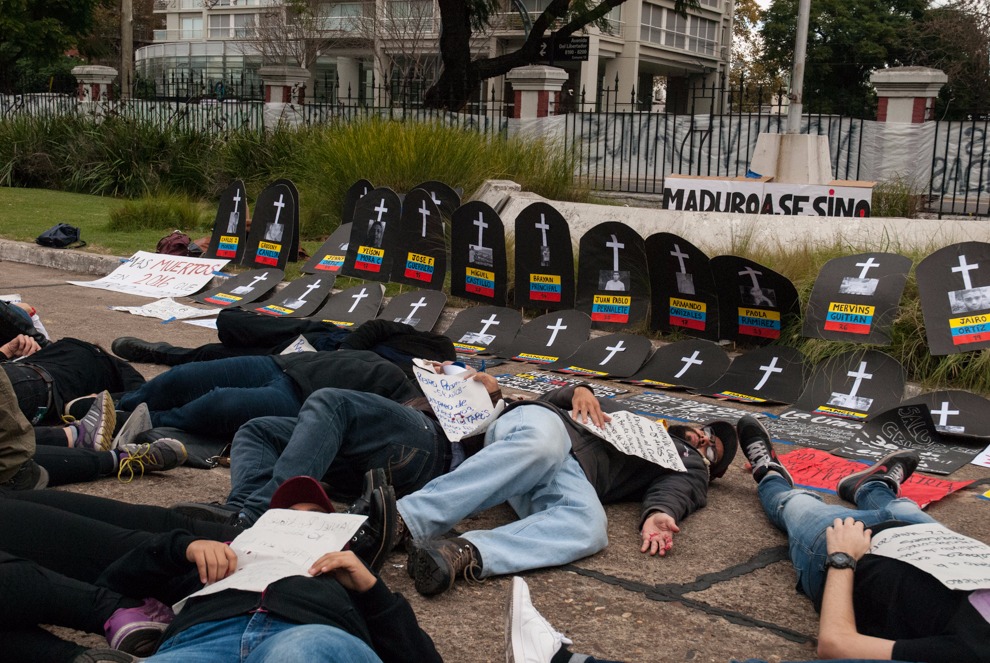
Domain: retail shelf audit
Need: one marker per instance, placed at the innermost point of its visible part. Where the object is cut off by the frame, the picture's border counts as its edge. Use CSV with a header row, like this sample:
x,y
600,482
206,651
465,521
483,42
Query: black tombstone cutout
x,y
688,364
442,195
420,257
374,236
754,302
356,191
329,258
229,227
613,285
954,285
352,306
547,338
544,259
955,412
274,228
855,298
477,255
419,308
476,328
299,298
773,374
854,385
294,247
242,289
614,355
683,297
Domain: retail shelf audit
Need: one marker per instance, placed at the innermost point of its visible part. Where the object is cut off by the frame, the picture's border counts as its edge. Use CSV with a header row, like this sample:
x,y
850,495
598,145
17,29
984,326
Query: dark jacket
x,y
347,369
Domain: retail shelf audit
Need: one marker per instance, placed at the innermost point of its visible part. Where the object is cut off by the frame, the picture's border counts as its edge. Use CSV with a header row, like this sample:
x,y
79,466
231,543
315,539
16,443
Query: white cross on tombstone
x,y
309,289
615,245
263,277
859,376
488,322
237,198
677,253
415,307
867,266
381,209
480,222
752,273
357,299
613,349
543,226
433,197
424,213
279,205
768,370
559,326
943,414
965,269
689,362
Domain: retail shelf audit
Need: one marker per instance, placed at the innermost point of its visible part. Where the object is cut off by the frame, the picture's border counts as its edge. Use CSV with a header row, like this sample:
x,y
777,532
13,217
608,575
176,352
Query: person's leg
x,y
878,504
17,444
207,642
67,465
312,643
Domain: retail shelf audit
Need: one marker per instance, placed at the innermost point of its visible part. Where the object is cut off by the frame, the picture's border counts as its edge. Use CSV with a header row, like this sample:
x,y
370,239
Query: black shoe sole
x,y
429,576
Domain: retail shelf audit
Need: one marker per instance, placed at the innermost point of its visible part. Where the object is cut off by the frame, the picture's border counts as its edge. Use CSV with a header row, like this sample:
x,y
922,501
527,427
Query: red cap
x,y
300,489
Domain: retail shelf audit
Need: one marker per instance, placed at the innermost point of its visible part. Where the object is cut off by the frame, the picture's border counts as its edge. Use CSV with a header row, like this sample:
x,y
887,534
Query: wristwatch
x,y
840,560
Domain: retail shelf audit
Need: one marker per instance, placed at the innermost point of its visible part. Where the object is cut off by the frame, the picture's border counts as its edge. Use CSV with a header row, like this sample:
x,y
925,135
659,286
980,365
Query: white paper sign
x,y
168,309
158,275
982,459
209,323
283,543
957,561
298,345
463,406
638,436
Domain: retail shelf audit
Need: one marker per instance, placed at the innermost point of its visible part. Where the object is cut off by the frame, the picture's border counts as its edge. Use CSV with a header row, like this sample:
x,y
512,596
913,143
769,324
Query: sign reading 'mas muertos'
x,y
420,257
230,225
374,236
682,289
754,301
274,236
954,285
544,259
613,282
477,254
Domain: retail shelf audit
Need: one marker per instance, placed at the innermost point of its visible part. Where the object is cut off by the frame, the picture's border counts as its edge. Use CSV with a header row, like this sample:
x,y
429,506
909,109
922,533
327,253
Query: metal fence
x,y
960,173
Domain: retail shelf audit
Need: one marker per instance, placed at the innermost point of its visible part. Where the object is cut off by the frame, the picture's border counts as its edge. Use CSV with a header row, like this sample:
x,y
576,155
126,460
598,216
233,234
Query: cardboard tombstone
x,y
230,225
772,374
955,412
954,285
613,285
294,247
420,309
688,364
477,255
446,198
352,306
854,385
754,302
544,259
855,298
240,290
274,228
356,191
614,355
329,258
547,338
476,328
683,297
420,257
374,236
300,298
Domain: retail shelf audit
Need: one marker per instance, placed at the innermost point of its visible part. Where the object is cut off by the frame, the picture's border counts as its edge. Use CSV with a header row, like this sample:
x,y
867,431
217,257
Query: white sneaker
x,y
529,638
137,423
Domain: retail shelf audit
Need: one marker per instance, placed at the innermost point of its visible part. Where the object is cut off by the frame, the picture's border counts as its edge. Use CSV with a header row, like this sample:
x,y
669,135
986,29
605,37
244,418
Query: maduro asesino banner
x,y
844,198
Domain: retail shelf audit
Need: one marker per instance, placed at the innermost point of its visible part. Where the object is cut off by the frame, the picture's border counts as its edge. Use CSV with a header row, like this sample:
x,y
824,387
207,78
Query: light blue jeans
x,y
804,517
526,461
261,638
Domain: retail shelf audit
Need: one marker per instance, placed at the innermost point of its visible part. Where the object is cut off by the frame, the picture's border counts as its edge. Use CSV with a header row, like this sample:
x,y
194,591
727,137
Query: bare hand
x,y
585,406
20,346
491,384
658,534
849,536
347,569
214,560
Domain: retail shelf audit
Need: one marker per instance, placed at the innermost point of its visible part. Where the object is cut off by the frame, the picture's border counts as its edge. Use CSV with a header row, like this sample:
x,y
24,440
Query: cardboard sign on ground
x,y
355,192
954,287
230,224
476,328
242,289
673,408
445,197
544,259
687,364
683,297
374,236
300,298
614,355
477,255
329,258
420,309
854,385
754,302
613,285
274,228
420,258
772,374
547,338
353,306
956,412
538,382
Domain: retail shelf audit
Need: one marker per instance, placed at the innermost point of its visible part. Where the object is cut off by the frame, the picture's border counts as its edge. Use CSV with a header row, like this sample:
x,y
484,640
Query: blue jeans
x,y
261,638
339,435
526,461
804,517
217,397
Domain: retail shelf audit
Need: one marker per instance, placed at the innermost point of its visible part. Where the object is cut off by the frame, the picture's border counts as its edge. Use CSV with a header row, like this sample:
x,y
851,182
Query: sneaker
x,y
138,630
159,456
78,407
893,469
29,476
435,564
755,442
380,532
373,479
137,422
214,512
95,430
529,638
134,349
104,655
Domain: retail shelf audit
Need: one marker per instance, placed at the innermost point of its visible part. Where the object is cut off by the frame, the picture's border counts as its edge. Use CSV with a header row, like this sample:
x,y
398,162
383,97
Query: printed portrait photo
x,y
752,295
612,280
685,283
852,285
970,300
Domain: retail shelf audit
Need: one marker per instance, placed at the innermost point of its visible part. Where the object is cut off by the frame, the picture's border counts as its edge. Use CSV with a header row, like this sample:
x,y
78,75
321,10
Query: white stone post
x,y
285,94
536,90
94,87
907,94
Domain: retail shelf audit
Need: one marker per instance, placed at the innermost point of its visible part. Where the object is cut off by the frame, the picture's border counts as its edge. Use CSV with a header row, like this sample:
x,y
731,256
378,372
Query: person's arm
x,y
838,636
19,346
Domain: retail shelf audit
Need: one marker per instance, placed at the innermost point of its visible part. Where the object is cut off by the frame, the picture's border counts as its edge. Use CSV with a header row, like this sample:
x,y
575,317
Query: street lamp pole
x,y
796,105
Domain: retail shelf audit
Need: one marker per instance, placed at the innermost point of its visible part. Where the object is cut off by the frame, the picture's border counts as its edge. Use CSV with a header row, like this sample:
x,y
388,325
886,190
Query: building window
x,y
191,27
702,38
232,26
676,34
341,16
652,27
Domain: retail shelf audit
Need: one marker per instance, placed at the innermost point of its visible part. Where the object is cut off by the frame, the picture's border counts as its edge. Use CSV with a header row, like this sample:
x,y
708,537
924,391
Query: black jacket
x,y
347,369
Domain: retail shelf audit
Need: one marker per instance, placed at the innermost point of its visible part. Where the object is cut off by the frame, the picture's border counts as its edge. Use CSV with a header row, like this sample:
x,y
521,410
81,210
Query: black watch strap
x,y
840,560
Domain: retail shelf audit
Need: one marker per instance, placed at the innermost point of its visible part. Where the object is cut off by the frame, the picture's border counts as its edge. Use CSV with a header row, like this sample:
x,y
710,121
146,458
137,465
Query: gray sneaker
x,y
138,422
158,456
95,430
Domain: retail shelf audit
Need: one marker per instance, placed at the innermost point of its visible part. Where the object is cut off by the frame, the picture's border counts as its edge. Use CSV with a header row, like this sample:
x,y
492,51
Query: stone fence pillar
x,y
536,90
907,94
94,86
285,94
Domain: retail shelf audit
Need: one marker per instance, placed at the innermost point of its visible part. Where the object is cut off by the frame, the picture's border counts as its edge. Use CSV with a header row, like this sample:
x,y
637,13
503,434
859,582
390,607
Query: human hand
x,y
20,346
658,533
348,570
849,536
585,406
491,384
214,560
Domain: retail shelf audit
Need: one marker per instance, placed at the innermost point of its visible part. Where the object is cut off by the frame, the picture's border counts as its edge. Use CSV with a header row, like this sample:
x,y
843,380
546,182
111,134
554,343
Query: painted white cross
x,y
613,349
859,376
677,253
752,273
543,226
237,198
488,322
433,197
357,299
480,222
415,307
279,205
309,289
559,326
689,362
768,370
965,269
381,209
263,277
424,213
867,266
615,245
943,414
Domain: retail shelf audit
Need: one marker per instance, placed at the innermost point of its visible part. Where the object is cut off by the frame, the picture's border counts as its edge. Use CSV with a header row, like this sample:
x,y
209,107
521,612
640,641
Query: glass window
x,y
676,29
191,27
341,15
244,25
703,33
220,26
652,27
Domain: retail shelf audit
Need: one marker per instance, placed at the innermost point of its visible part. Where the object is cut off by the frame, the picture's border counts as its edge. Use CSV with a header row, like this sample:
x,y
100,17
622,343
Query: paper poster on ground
x,y
638,436
463,406
158,275
168,309
983,458
957,561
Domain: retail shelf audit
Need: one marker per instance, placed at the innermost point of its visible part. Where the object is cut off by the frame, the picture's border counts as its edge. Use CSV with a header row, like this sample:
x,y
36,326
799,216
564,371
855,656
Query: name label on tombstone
x,y
610,308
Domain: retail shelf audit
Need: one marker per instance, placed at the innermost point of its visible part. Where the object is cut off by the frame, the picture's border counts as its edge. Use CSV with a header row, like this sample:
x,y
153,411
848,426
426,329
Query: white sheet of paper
x,y
957,561
209,323
982,459
298,345
463,406
13,299
157,275
168,309
282,543
638,436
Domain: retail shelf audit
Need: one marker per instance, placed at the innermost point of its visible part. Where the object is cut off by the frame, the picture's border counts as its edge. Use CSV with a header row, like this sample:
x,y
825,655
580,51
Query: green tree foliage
x,y
753,82
36,33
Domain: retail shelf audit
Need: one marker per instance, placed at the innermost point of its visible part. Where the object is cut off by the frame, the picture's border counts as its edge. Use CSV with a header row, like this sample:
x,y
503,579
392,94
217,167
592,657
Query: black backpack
x,y
60,236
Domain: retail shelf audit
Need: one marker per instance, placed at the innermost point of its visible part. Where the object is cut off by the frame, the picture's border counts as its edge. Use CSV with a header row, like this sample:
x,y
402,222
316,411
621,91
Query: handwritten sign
x,y
983,458
462,406
638,436
957,561
158,275
298,345
168,309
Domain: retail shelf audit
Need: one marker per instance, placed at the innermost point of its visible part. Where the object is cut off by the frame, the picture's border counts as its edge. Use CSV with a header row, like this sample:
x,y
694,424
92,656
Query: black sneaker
x,y
380,532
29,476
224,514
105,655
755,442
373,479
436,563
893,469
134,349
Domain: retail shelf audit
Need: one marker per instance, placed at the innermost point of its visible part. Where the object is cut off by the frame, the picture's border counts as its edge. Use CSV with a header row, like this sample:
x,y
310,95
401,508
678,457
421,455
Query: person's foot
x,y
436,563
138,630
755,442
373,479
214,512
95,430
158,456
137,422
78,407
893,469
529,638
134,349
104,655
29,476
381,532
